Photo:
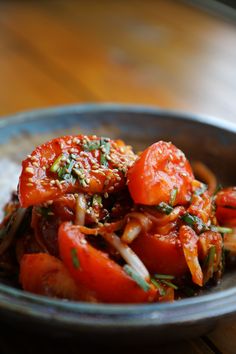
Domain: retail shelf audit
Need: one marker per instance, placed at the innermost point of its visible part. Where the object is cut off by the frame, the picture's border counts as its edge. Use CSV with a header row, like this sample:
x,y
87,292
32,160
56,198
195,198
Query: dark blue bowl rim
x,y
216,304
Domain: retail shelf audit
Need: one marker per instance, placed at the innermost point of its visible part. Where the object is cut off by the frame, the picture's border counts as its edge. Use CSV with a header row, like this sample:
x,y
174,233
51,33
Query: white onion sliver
x,y
128,254
142,218
131,231
80,210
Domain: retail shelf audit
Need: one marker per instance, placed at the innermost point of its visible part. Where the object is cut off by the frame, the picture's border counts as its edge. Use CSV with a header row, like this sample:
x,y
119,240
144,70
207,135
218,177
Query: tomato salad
x,y
93,221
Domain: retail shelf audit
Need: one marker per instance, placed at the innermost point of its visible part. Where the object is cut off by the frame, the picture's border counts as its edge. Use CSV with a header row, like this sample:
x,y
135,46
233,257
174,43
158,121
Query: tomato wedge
x,y
160,169
43,274
226,206
226,197
96,271
71,164
161,253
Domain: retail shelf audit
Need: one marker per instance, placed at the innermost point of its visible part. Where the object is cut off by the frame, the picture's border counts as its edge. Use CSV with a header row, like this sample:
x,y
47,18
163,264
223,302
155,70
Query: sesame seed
x,y
29,184
58,184
35,164
106,182
106,195
52,182
111,189
29,170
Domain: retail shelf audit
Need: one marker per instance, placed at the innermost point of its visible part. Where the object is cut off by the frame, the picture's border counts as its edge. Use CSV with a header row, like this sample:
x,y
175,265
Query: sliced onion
x,y
131,231
80,209
143,219
128,254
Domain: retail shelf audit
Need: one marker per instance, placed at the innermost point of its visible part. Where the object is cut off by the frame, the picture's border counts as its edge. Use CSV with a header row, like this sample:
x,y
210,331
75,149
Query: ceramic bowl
x,y
201,138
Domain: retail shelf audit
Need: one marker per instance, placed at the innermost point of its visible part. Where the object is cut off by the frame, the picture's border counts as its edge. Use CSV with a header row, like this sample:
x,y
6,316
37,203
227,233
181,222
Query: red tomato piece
x,y
226,216
226,197
161,253
71,164
43,274
96,271
160,169
226,206
189,240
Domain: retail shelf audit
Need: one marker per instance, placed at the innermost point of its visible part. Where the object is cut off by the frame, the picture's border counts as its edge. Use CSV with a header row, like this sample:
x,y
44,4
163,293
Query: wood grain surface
x,y
165,53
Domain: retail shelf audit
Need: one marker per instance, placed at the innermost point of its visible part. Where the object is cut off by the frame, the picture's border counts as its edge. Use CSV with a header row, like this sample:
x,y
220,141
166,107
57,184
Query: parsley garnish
x,y
136,277
194,222
164,208
105,144
164,276
160,288
75,258
221,229
91,145
56,164
208,265
97,200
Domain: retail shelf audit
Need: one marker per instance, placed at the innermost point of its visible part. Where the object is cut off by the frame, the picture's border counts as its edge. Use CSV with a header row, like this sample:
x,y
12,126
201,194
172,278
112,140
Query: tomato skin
x,y
159,169
36,186
97,271
226,197
226,206
161,253
226,216
43,274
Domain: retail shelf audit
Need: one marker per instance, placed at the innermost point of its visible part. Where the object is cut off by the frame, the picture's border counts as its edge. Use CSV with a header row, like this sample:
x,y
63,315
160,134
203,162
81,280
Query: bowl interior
x,y
204,139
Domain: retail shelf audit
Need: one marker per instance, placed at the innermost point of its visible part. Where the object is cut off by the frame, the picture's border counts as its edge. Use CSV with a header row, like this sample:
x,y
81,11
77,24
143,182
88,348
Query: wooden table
x,y
164,53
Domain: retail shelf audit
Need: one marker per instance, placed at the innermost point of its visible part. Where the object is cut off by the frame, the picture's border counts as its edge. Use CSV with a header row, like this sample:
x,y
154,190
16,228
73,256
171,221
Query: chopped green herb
x,y
168,283
218,189
97,200
105,147
92,145
194,221
208,264
221,229
164,208
173,195
136,277
75,258
164,276
201,189
56,164
158,286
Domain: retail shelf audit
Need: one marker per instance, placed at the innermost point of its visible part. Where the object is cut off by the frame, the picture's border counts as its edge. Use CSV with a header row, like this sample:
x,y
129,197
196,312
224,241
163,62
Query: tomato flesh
x,y
161,253
96,271
43,274
95,169
160,169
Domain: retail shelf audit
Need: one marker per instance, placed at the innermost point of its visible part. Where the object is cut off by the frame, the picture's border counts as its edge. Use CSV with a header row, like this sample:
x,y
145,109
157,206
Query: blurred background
x,y
175,54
